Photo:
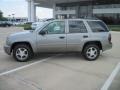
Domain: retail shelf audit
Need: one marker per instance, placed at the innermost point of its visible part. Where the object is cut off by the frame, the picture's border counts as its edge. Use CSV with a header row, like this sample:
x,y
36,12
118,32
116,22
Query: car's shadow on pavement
x,y
64,56
40,56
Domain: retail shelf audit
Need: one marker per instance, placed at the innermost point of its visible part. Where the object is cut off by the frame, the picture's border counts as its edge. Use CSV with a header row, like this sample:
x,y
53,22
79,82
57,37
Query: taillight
x,y
109,38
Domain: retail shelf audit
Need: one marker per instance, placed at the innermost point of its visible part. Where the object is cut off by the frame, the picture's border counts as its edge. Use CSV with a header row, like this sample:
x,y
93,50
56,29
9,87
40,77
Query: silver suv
x,y
72,35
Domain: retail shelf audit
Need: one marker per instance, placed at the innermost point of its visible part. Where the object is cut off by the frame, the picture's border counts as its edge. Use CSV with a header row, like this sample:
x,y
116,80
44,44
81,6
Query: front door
x,y
54,39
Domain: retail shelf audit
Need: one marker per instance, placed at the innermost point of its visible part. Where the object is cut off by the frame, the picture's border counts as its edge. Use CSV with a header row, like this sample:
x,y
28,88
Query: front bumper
x,y
7,49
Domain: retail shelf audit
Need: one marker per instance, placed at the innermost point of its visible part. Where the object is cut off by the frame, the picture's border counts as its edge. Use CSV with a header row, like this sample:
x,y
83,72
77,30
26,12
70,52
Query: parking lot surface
x,y
61,72
115,85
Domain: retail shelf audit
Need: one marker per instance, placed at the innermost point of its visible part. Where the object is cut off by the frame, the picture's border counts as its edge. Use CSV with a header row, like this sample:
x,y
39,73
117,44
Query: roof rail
x,y
95,18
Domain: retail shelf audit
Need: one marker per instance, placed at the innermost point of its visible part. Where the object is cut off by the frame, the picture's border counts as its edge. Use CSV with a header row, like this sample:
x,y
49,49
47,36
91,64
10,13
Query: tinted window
x,y
57,27
77,27
97,26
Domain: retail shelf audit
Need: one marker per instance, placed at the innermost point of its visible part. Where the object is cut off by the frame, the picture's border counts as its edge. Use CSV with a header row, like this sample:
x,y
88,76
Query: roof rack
x,y
95,18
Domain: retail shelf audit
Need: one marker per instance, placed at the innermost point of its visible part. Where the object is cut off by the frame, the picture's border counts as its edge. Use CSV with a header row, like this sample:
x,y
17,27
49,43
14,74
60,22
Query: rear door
x,y
77,34
100,32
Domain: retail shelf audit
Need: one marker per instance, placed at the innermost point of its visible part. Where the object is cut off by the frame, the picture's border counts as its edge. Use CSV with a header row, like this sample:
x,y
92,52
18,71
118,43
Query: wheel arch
x,y
98,43
24,42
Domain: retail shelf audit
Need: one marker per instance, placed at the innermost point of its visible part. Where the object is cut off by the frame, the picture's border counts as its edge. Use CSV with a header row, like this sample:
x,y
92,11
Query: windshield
x,y
41,25
37,25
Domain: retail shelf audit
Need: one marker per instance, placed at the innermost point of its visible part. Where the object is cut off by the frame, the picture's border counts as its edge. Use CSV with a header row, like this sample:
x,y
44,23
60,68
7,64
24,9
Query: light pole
x,y
9,17
13,17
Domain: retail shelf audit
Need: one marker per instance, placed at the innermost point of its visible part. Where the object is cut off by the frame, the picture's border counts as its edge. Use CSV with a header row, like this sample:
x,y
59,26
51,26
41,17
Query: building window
x,y
106,6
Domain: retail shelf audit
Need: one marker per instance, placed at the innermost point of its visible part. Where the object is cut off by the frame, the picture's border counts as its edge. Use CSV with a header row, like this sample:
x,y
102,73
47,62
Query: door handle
x,y
85,36
62,37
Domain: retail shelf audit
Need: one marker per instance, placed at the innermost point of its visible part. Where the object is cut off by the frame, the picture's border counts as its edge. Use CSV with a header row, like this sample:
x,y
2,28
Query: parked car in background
x,y
18,23
85,36
40,23
36,24
5,24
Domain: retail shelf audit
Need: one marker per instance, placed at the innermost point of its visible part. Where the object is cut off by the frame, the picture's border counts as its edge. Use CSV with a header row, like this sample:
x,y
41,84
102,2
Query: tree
x,y
1,16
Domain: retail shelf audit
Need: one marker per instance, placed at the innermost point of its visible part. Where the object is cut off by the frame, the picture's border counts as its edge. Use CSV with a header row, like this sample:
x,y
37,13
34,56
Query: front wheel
x,y
91,52
22,52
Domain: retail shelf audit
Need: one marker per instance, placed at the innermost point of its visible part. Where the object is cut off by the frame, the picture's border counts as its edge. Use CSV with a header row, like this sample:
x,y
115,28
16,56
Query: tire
x,y
22,52
91,52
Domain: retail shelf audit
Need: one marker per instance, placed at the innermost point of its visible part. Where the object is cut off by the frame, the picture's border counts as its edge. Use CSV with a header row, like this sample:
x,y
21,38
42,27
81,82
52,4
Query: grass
x,y
114,27
25,26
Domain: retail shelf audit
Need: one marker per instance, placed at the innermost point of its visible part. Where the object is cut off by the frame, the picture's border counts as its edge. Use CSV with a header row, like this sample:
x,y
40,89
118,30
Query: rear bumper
x,y
7,49
107,47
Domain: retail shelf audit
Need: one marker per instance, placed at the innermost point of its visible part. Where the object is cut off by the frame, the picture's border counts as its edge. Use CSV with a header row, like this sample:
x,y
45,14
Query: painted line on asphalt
x,y
26,66
111,78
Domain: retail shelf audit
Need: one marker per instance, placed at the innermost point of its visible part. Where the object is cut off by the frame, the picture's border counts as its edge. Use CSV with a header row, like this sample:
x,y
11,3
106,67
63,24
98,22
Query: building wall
x,y
98,10
110,13
73,11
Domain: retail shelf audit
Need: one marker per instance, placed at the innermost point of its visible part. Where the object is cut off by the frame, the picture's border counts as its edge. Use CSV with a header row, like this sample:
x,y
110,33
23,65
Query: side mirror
x,y
42,33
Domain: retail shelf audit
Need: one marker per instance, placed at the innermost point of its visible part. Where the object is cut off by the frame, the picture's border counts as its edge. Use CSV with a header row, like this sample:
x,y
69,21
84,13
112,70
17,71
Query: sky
x,y
19,8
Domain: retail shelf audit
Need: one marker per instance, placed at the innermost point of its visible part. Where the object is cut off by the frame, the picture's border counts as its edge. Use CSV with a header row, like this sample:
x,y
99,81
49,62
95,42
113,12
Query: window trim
x,y
101,31
77,32
53,22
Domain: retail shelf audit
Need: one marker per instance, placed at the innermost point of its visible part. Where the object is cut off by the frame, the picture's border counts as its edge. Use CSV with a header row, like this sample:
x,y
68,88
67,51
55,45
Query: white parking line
x,y
111,78
25,66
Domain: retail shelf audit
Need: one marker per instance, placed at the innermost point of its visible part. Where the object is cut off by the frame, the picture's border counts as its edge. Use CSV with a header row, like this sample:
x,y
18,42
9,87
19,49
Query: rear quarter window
x,y
98,26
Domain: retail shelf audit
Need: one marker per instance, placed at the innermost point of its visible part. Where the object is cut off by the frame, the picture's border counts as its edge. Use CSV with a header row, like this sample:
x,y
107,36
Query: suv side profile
x,y
85,36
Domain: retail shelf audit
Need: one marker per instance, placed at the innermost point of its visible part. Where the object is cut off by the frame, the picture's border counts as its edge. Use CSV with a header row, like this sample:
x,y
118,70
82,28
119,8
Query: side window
x,y
77,27
97,26
57,27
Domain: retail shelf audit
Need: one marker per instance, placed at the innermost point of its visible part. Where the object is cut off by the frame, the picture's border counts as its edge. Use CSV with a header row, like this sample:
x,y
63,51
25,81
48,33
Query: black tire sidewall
x,y
22,46
87,47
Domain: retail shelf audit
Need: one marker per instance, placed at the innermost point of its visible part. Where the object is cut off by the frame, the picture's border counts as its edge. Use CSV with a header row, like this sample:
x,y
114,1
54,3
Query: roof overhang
x,y
50,3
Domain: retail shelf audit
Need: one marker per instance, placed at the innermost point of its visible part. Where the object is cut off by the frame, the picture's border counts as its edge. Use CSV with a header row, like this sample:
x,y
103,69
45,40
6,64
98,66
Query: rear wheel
x,y
91,52
22,52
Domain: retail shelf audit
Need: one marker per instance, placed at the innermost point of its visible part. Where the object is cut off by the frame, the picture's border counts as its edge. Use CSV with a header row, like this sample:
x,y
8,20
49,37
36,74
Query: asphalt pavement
x,y
56,72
